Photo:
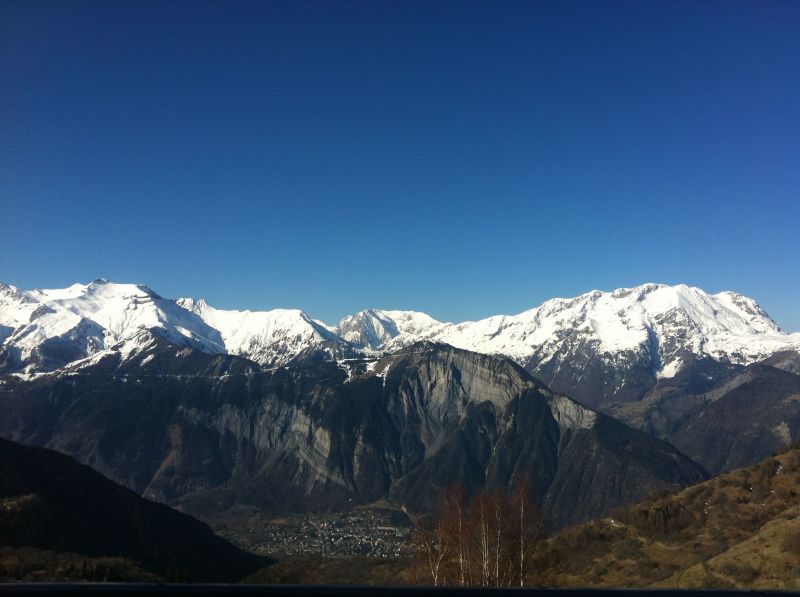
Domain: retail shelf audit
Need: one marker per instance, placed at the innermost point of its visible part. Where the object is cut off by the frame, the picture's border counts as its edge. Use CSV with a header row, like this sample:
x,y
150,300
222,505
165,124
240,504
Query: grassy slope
x,y
766,560
29,564
741,529
316,570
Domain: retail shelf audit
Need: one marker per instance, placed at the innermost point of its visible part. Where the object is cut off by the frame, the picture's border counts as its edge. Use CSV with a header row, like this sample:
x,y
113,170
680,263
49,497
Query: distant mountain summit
x,y
614,346
671,320
270,338
380,330
598,347
43,330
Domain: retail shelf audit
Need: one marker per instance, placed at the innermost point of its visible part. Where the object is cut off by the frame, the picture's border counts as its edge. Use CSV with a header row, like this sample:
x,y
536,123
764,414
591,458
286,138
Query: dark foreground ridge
x,y
352,591
50,502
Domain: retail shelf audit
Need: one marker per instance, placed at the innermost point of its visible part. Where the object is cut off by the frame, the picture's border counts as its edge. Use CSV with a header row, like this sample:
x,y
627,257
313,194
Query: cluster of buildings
x,y
359,533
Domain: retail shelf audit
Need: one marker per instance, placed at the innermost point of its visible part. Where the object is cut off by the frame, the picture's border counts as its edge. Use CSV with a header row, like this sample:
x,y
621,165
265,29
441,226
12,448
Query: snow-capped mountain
x,y
42,330
604,345
270,338
670,360
670,323
600,343
380,330
46,329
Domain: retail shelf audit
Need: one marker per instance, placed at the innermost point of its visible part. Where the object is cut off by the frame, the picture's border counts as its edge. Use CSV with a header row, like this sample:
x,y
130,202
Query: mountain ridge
x,y
623,341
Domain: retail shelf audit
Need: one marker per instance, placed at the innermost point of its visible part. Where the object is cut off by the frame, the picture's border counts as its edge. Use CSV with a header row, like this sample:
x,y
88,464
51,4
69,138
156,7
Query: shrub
x,y
741,571
662,517
629,549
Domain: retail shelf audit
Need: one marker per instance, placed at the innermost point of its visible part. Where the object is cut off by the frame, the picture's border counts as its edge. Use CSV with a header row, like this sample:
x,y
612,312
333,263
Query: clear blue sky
x,y
460,158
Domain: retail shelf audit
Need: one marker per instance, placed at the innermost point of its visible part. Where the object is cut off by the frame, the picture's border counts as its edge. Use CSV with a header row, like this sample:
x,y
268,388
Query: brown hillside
x,y
741,529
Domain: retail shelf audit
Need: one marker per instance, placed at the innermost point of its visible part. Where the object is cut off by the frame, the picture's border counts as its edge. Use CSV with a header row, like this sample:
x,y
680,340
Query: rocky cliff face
x,y
580,463
209,431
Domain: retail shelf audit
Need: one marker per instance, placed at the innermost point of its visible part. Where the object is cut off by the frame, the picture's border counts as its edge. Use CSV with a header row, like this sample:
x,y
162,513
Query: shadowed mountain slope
x,y
51,502
723,416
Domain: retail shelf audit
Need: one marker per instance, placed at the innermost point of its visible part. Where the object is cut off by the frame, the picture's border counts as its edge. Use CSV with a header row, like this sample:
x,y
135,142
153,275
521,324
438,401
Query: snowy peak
x,y
653,327
124,309
375,329
654,323
613,316
413,323
659,323
16,308
368,329
748,310
45,329
271,338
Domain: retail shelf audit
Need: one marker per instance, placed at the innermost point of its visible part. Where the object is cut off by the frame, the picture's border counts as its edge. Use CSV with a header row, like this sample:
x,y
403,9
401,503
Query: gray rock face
x,y
210,431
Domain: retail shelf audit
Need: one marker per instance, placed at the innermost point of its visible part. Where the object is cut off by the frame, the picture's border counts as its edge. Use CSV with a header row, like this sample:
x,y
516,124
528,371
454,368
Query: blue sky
x,y
460,158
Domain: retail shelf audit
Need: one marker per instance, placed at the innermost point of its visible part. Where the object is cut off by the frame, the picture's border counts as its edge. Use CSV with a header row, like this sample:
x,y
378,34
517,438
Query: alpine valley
x,y
595,401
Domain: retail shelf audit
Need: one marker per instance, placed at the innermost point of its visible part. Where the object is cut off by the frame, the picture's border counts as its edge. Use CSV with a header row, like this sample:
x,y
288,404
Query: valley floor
x,y
367,532
740,530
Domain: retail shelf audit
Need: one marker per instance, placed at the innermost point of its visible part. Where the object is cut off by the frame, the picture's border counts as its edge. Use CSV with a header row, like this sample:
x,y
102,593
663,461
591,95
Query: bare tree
x,y
483,526
456,505
489,540
521,495
529,528
435,542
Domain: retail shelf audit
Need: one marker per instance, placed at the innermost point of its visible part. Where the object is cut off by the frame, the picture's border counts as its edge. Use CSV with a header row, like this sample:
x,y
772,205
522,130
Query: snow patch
x,y
671,369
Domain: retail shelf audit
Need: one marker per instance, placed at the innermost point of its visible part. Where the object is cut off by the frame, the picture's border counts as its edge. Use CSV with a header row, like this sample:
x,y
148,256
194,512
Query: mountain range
x,y
650,331
209,409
